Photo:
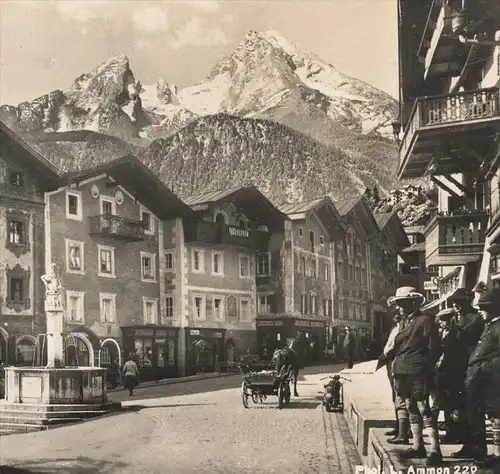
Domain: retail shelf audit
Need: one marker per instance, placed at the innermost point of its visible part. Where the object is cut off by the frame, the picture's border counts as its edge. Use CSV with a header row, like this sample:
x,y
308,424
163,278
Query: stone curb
x,y
164,382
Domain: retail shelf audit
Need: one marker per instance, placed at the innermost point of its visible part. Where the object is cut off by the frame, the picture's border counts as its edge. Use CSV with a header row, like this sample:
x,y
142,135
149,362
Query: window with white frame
x,y
148,267
150,310
17,232
263,304
74,256
244,266
108,307
148,220
169,307
327,272
169,261
245,310
198,261
303,308
108,206
217,263
263,264
106,261
74,205
303,265
199,307
219,308
74,306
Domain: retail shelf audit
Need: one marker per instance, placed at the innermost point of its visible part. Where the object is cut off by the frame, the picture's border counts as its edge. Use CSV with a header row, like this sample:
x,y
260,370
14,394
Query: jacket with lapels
x,y
417,346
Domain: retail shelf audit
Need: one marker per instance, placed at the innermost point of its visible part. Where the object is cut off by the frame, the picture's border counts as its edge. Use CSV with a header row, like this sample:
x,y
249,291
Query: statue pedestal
x,y
39,397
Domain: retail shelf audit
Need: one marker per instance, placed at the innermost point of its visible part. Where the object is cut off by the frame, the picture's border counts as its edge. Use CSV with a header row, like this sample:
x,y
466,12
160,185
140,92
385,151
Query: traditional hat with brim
x,y
445,314
406,293
489,299
461,296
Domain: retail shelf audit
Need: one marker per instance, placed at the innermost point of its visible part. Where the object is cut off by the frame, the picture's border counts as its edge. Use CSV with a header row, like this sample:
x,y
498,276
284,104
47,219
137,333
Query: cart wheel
x,y
255,397
262,398
244,395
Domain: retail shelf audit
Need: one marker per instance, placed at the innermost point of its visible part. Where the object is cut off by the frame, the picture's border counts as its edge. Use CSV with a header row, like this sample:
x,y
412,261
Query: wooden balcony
x,y
446,124
117,227
207,232
455,237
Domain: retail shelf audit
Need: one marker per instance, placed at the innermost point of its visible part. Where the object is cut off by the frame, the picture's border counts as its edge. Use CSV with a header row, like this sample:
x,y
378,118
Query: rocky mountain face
x,y
268,106
413,203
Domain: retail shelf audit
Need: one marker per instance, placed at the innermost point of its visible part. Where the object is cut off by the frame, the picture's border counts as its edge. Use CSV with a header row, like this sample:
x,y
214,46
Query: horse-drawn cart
x,y
259,384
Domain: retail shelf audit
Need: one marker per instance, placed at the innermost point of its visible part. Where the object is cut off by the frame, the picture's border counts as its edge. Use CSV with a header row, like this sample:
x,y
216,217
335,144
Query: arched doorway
x,y
110,351
4,345
78,350
25,351
230,351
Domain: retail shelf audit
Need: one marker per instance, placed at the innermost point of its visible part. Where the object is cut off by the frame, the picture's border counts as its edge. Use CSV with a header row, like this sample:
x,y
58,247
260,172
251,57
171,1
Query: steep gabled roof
x,y
129,172
28,156
301,207
247,199
347,206
211,196
325,210
392,223
382,219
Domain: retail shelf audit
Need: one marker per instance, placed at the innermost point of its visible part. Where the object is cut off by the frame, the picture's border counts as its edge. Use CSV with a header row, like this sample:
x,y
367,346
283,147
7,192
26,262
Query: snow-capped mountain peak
x,y
266,76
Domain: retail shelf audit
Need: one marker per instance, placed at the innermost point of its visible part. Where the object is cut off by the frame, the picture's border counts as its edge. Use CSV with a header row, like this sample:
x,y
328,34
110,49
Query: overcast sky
x,y
45,45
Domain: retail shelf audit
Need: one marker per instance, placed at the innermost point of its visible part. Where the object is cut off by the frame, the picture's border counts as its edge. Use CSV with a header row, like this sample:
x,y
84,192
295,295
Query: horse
x,y
287,358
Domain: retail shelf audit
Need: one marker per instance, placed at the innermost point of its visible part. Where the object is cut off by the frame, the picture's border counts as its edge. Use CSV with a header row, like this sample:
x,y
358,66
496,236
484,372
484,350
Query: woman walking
x,y
416,352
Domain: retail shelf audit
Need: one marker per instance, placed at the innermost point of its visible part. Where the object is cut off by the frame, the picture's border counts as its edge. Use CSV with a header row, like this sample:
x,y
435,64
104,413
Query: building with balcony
x,y
450,114
295,291
212,258
103,228
24,177
354,272
384,252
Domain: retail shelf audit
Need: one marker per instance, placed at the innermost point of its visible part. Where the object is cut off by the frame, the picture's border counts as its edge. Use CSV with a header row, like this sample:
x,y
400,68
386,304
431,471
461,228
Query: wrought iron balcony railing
x,y
117,227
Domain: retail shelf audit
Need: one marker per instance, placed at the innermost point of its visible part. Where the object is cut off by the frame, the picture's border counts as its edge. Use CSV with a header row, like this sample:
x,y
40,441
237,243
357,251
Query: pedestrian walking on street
x,y
131,374
349,347
416,352
482,385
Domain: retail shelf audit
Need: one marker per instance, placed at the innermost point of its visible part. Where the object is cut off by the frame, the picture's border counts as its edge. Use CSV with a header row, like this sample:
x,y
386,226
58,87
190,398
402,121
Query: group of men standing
x,y
450,362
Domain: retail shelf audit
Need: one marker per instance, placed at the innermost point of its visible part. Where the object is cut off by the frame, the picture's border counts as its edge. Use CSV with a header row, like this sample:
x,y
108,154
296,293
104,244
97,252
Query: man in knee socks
x,y
400,432
416,351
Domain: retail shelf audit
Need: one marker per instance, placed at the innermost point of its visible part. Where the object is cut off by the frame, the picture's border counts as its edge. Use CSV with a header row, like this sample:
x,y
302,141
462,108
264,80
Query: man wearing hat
x,y
482,384
416,352
469,326
400,432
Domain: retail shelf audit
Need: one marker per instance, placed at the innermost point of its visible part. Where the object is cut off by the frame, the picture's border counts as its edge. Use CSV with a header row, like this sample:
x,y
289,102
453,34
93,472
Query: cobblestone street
x,y
184,429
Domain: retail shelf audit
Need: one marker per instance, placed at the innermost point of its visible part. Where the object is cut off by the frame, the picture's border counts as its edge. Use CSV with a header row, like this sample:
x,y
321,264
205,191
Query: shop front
x,y
205,349
154,349
276,333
